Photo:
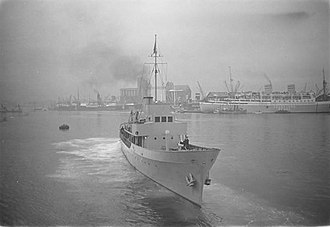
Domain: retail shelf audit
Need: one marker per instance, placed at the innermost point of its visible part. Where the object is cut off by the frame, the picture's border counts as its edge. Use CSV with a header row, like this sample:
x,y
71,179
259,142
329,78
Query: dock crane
x,y
227,87
304,89
269,81
233,88
201,90
318,90
324,89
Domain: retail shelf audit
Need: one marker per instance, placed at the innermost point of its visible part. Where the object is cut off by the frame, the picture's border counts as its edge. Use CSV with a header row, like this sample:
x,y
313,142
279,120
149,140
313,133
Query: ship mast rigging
x,y
156,70
155,64
233,90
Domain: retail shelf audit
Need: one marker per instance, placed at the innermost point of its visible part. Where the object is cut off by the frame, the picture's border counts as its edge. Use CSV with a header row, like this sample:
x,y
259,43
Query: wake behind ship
x,y
157,146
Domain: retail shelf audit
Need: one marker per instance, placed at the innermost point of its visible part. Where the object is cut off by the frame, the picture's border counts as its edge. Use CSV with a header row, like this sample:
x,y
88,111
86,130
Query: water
x,y
272,170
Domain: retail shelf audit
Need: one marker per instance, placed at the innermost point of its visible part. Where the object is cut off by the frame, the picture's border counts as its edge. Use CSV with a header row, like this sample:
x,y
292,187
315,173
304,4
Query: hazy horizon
x,y
50,49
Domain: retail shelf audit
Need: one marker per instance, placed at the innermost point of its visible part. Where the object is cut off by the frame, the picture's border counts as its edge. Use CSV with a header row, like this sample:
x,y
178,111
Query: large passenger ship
x,y
157,146
269,102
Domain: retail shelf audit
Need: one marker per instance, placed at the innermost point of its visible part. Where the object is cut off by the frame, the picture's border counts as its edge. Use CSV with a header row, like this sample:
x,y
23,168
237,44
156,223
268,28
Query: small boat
x,y
282,111
230,111
64,127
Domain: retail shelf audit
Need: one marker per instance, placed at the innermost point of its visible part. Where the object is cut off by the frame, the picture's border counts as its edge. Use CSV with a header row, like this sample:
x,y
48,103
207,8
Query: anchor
x,y
207,181
190,180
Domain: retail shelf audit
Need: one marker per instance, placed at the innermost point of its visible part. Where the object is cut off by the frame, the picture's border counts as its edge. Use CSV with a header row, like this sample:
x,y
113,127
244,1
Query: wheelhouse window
x,y
163,119
157,119
170,119
139,141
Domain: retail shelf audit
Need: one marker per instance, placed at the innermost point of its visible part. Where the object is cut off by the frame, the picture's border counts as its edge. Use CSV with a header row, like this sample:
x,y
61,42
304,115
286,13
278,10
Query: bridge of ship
x,y
154,128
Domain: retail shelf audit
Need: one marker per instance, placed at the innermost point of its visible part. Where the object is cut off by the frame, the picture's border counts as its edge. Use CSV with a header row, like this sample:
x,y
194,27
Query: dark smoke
x,y
99,64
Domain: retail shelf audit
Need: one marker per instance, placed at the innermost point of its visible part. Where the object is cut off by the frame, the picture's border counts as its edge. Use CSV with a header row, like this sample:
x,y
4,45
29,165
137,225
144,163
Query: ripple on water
x,y
243,208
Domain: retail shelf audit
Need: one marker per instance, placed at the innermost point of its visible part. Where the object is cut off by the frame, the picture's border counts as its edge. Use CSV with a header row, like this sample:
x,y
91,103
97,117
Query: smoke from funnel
x,y
98,64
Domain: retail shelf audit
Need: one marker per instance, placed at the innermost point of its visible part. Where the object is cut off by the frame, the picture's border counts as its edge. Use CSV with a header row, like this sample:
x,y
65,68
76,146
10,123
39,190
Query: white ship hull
x,y
158,146
270,107
170,169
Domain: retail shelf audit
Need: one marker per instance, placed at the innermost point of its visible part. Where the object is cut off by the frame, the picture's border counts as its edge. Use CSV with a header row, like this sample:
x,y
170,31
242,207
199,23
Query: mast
x,y
324,87
230,80
156,70
78,97
155,55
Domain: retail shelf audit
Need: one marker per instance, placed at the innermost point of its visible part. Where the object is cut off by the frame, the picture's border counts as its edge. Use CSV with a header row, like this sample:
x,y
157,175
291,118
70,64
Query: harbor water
x,y
273,169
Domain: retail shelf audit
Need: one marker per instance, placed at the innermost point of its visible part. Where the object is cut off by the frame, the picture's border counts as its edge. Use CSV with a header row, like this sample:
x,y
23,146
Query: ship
x,y
98,105
17,109
230,109
269,101
157,145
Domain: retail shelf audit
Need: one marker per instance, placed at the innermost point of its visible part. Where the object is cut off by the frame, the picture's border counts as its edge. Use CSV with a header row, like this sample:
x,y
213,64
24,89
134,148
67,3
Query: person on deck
x,y
186,143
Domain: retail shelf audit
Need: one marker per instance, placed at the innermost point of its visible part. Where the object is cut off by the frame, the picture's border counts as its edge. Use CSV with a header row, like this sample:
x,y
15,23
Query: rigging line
x,y
150,74
166,72
143,71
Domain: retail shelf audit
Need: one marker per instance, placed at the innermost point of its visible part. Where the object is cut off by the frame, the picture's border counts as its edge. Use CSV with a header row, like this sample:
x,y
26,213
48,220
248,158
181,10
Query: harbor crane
x,y
233,88
304,89
318,91
267,78
201,90
324,89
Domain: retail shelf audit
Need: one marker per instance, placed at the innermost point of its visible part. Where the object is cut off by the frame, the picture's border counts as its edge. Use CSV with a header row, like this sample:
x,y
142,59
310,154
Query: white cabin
x,y
154,127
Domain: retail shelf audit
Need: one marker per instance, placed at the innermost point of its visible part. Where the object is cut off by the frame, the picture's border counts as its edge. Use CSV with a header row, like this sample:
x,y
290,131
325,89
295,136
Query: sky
x,y
50,49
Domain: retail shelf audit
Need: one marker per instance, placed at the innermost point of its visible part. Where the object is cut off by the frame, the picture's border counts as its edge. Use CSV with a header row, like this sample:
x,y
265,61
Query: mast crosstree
x,y
156,70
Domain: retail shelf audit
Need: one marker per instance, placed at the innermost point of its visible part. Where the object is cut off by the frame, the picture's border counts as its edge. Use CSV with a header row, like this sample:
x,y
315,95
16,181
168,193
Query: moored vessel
x,y
157,145
230,109
270,102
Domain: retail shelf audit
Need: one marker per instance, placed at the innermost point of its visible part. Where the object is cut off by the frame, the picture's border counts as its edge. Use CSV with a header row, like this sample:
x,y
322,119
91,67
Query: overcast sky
x,y
51,48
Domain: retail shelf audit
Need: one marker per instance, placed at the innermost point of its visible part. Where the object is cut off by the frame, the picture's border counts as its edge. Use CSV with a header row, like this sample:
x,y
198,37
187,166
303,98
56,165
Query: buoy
x,y
64,127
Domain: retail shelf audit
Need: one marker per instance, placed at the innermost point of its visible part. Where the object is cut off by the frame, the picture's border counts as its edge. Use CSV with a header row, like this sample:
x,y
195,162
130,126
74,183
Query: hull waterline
x,y
171,172
312,107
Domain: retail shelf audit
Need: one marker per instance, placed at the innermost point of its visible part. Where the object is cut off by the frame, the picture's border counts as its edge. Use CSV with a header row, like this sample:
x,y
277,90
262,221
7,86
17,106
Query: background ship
x,y
5,109
270,102
75,104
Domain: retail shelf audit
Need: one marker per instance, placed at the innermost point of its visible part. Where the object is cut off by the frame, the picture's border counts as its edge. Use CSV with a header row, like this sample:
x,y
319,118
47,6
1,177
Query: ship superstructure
x,y
157,146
